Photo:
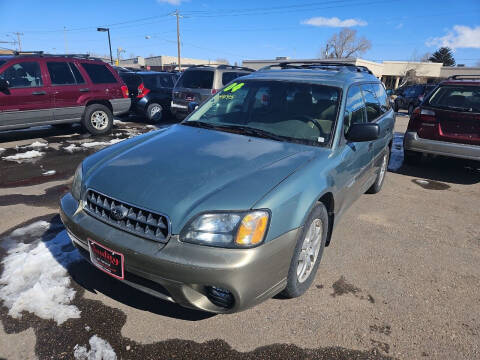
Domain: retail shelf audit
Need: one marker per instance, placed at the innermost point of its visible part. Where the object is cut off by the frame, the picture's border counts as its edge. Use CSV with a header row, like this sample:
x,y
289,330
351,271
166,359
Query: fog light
x,y
220,297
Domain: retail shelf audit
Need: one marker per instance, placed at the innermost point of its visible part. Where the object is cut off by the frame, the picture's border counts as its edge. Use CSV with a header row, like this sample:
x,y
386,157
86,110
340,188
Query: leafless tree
x,y
345,44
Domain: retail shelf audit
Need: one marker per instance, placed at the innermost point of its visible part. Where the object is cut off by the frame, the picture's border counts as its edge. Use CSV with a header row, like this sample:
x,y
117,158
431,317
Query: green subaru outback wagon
x,y
236,203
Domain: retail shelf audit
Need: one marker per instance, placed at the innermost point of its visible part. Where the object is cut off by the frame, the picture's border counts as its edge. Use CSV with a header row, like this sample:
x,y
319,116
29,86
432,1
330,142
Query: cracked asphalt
x,y
400,279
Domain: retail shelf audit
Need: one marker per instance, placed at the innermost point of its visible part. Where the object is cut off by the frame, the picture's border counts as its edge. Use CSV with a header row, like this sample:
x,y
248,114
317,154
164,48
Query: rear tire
x,y
377,185
98,119
411,157
154,113
395,107
308,252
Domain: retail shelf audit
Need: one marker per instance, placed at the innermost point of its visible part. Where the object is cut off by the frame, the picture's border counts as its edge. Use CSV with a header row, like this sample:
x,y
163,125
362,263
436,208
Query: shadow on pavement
x,y
434,168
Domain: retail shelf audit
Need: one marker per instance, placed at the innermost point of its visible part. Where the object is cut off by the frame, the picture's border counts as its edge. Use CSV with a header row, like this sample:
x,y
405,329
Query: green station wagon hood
x,y
183,171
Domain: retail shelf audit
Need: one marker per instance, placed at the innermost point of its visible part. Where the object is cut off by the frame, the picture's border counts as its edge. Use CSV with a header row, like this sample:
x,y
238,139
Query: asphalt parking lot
x,y
399,280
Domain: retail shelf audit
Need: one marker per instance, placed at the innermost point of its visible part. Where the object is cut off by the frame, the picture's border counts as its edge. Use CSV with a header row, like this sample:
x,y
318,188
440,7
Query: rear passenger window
x,y
354,109
76,73
24,74
371,102
99,74
382,97
60,73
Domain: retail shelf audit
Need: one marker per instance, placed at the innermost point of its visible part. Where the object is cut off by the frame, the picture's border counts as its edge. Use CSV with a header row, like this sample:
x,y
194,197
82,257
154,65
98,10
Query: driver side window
x,y
354,108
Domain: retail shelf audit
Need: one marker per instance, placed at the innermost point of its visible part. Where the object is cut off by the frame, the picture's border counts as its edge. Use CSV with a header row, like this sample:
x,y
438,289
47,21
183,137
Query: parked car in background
x,y
198,83
447,122
236,203
39,89
151,93
411,96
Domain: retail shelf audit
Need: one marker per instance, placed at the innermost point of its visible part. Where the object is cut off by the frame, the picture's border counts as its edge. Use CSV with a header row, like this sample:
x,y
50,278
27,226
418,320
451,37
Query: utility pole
x,y
177,14
65,39
19,40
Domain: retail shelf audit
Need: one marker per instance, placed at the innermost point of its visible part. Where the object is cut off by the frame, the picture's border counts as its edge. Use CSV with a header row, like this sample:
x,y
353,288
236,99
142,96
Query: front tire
x,y
377,185
154,113
98,119
308,252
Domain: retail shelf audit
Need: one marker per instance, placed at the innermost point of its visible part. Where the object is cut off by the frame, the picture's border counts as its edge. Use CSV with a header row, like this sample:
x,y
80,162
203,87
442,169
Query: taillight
x,y
142,91
214,91
124,91
421,116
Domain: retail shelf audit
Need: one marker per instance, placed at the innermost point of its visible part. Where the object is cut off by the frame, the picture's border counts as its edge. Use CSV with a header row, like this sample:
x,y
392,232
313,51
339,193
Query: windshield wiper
x,y
199,124
457,108
253,132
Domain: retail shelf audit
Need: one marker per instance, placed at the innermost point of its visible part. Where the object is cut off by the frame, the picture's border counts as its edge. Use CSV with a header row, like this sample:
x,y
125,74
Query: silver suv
x,y
198,83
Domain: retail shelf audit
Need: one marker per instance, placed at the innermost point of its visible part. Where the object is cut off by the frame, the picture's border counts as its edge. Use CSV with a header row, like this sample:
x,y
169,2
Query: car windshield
x,y
286,111
461,98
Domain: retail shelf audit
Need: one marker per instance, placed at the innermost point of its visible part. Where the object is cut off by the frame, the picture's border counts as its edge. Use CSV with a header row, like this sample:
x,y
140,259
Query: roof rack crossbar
x,y
224,66
327,65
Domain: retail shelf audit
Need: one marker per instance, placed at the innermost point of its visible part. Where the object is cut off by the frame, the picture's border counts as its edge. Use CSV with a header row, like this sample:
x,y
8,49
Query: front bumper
x,y
413,142
180,272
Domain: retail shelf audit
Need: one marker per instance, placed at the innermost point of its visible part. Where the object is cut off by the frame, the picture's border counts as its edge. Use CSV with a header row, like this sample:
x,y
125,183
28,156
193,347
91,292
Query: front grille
x,y
137,221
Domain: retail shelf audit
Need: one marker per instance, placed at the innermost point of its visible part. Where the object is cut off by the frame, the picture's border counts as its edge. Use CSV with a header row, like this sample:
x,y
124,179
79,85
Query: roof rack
x,y
325,65
470,76
224,66
41,53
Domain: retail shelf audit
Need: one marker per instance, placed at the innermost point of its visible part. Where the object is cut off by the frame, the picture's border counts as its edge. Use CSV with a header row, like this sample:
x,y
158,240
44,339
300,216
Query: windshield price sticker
x,y
227,97
233,87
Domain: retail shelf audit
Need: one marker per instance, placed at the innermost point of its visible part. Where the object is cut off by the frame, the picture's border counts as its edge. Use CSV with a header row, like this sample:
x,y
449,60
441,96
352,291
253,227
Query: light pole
x,y
109,43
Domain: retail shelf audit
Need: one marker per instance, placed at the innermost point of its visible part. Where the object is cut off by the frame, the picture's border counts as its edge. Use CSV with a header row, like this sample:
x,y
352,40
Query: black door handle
x,y
85,90
39,93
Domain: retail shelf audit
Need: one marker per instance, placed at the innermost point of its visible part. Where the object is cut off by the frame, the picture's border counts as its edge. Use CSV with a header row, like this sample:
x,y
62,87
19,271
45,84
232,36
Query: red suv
x,y
39,89
447,122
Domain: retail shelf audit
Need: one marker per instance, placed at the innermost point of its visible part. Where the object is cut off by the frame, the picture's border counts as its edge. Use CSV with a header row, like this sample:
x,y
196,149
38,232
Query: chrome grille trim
x,y
138,221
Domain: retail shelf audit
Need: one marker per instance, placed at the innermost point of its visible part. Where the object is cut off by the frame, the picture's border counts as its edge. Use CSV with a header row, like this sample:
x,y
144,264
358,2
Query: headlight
x,y
77,183
228,229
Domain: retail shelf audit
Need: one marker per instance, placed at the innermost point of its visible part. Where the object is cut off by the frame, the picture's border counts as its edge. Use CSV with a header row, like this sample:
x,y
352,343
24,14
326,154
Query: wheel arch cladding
x,y
101,102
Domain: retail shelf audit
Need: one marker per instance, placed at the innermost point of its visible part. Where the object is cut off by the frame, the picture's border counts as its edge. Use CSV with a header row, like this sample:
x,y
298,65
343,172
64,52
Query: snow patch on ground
x,y
101,143
49,173
72,147
37,144
396,154
24,156
2,150
35,278
99,350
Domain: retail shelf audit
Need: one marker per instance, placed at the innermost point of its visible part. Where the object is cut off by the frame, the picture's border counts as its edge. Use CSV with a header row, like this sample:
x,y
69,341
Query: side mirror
x,y
192,106
363,132
4,84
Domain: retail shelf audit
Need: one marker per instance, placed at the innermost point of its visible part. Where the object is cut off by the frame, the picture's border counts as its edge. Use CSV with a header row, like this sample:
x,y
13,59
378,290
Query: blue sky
x,y
398,30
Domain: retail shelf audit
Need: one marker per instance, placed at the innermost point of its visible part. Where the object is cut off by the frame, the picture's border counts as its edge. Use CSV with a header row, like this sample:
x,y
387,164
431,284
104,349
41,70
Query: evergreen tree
x,y
443,55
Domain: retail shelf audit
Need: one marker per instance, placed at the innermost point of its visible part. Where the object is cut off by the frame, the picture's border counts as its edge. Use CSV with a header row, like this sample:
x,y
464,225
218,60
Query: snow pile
x,y
101,143
37,144
396,154
2,150
24,156
72,147
35,278
49,173
99,350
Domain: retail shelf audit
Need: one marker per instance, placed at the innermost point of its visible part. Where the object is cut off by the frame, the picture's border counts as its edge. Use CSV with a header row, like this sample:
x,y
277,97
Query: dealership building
x,y
163,62
391,73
